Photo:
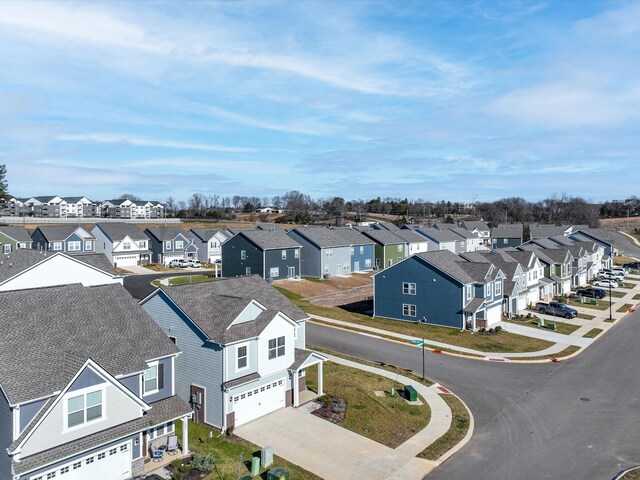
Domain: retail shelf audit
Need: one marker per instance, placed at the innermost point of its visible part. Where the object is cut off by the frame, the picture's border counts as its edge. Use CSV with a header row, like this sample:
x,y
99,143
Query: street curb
x,y
472,424
624,472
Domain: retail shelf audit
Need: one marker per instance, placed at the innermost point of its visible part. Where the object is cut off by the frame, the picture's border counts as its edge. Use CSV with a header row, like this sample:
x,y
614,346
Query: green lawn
x,y
628,286
618,294
233,457
636,297
502,343
190,279
585,316
561,327
594,332
601,305
460,423
387,420
624,307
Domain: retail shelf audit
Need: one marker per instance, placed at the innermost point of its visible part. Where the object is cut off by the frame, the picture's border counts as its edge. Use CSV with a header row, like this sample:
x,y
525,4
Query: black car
x,y
591,292
632,265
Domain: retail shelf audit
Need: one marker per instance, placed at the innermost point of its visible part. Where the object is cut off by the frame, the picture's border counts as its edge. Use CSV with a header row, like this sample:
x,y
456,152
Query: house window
x,y
408,288
179,244
367,262
247,271
361,250
242,355
274,272
468,292
284,254
64,470
489,289
142,244
126,245
151,380
84,408
243,254
353,251
408,310
400,248
296,253
88,245
101,455
498,288
167,245
329,253
276,347
74,246
505,240
7,249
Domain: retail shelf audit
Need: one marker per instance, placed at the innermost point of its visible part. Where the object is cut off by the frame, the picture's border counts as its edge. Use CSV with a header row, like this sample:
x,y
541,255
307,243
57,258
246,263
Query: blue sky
x,y
458,100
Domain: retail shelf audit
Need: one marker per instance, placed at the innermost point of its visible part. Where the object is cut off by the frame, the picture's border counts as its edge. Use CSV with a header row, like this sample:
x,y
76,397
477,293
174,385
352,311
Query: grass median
x,y
460,423
561,327
503,342
593,333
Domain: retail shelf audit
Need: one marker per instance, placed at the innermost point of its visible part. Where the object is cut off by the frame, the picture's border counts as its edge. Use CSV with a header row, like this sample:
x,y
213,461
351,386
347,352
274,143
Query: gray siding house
x,y
268,253
326,252
209,242
440,288
65,238
243,348
507,235
170,243
87,393
13,238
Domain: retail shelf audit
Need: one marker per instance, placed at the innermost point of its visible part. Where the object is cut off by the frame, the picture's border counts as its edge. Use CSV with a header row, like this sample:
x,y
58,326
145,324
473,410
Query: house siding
x,y
4,240
339,256
310,256
511,242
200,362
230,363
6,436
232,263
391,253
438,297
103,244
165,391
88,378
28,411
273,258
132,383
369,253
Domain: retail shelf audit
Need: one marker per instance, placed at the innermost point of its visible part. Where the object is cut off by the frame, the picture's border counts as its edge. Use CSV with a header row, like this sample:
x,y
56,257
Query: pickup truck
x,y
556,308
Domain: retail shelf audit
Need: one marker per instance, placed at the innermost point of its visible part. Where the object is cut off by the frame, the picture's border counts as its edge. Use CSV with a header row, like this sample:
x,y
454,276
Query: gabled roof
x,y
472,225
270,239
19,234
410,236
62,232
544,242
439,236
49,332
507,267
392,227
213,306
163,234
116,231
75,199
542,231
384,237
97,260
44,198
354,237
598,234
205,234
523,257
323,237
507,230
455,266
466,234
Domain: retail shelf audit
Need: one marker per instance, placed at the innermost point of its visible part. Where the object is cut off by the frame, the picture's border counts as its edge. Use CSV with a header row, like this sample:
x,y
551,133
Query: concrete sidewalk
x,y
543,334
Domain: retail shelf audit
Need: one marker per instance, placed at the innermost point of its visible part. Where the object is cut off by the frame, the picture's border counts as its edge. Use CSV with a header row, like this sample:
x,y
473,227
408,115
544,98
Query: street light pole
x,y
423,359
610,301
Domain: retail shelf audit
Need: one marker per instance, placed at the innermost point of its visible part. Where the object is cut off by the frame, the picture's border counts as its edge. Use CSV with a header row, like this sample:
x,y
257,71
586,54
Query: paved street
x,y
578,419
139,286
624,243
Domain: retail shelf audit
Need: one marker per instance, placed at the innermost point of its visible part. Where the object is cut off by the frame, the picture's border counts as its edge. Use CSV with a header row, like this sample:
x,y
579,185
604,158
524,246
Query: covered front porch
x,y
300,393
161,451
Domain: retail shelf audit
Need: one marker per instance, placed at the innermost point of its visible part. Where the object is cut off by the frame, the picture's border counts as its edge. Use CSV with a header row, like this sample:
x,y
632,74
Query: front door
x,y
247,271
292,272
197,403
356,266
339,269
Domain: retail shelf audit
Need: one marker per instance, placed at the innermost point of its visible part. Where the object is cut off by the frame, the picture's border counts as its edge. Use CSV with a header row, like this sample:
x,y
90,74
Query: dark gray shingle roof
x,y
384,237
444,235
118,231
165,233
206,233
451,264
62,232
270,239
515,230
213,306
480,225
97,260
49,332
19,234
542,231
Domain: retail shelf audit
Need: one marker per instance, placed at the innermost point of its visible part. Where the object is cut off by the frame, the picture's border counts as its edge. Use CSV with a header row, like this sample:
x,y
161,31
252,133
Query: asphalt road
x,y
625,244
139,286
577,419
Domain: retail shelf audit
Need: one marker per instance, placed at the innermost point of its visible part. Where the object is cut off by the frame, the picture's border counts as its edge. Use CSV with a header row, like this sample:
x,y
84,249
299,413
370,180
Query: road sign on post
x,y
420,343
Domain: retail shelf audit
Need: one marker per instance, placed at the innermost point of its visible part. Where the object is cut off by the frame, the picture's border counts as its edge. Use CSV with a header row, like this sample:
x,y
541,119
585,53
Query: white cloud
x,y
149,142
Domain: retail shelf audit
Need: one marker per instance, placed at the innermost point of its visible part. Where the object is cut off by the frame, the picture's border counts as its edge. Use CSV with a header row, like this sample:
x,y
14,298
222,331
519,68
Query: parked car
x,y
605,282
556,308
194,263
622,270
610,275
632,265
591,292
179,262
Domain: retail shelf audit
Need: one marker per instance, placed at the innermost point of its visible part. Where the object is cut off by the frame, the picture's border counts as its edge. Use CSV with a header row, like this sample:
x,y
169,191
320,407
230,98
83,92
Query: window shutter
x,y
160,376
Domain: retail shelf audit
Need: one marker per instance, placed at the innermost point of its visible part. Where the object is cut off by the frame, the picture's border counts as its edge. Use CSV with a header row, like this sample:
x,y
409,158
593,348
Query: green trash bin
x,y
412,394
255,466
278,474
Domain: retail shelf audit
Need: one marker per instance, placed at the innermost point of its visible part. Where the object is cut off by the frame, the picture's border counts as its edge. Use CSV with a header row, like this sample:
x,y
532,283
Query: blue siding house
x,y
268,253
88,393
507,235
171,243
440,288
65,238
243,348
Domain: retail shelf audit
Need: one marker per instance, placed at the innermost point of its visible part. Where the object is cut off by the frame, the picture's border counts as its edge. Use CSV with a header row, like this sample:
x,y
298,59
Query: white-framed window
x,y
367,262
167,245
142,244
505,240
22,245
274,272
150,379
489,289
126,245
400,248
179,244
88,245
84,408
296,253
408,310
6,249
243,254
498,287
328,253
242,356
353,251
469,291
276,348
361,250
408,288
74,246
284,254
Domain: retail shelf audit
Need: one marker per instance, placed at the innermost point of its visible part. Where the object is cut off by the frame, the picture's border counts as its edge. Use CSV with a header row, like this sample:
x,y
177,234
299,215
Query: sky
x,y
454,100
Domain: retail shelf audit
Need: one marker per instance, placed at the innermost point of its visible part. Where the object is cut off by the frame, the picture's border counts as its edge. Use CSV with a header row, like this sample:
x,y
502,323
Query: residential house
x,y
87,384
268,253
442,239
25,269
269,210
440,288
13,238
593,250
473,243
63,238
507,235
389,248
544,231
557,266
363,249
209,242
243,348
416,243
539,288
170,243
479,228
578,253
81,207
124,244
601,237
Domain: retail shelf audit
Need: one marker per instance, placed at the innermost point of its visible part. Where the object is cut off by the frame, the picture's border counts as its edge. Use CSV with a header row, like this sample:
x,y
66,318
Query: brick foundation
x,y
289,397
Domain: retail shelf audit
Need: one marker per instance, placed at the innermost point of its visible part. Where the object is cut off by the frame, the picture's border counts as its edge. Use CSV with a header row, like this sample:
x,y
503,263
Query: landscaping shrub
x,y
498,329
491,330
482,330
204,463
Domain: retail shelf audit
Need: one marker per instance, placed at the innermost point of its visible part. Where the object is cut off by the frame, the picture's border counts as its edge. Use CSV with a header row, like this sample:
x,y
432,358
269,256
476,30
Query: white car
x,y
606,283
179,262
194,263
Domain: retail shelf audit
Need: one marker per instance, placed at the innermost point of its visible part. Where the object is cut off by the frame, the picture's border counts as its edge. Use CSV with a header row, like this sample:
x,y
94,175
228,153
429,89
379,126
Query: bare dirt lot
x,y
334,291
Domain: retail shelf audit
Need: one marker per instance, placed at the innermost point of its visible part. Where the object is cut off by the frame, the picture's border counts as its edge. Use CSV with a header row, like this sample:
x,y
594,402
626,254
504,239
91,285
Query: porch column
x,y
185,435
294,387
320,379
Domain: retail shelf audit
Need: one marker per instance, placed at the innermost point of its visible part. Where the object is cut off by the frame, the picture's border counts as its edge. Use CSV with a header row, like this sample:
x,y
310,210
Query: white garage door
x,y
111,464
259,401
125,261
522,303
493,315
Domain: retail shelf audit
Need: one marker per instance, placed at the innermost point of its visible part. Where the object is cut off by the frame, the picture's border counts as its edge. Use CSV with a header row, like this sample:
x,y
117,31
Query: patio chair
x,y
157,455
172,444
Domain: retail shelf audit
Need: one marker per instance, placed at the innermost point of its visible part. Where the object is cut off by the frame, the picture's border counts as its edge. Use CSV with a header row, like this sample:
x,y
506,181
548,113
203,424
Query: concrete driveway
x,y
328,450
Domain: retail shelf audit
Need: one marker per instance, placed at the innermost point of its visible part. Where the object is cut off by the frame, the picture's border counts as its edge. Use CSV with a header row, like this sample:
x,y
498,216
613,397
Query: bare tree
x,y
236,200
196,203
170,205
130,196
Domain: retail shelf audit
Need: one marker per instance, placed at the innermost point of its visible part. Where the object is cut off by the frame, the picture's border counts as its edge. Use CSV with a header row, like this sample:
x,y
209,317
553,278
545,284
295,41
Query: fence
x,y
84,220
